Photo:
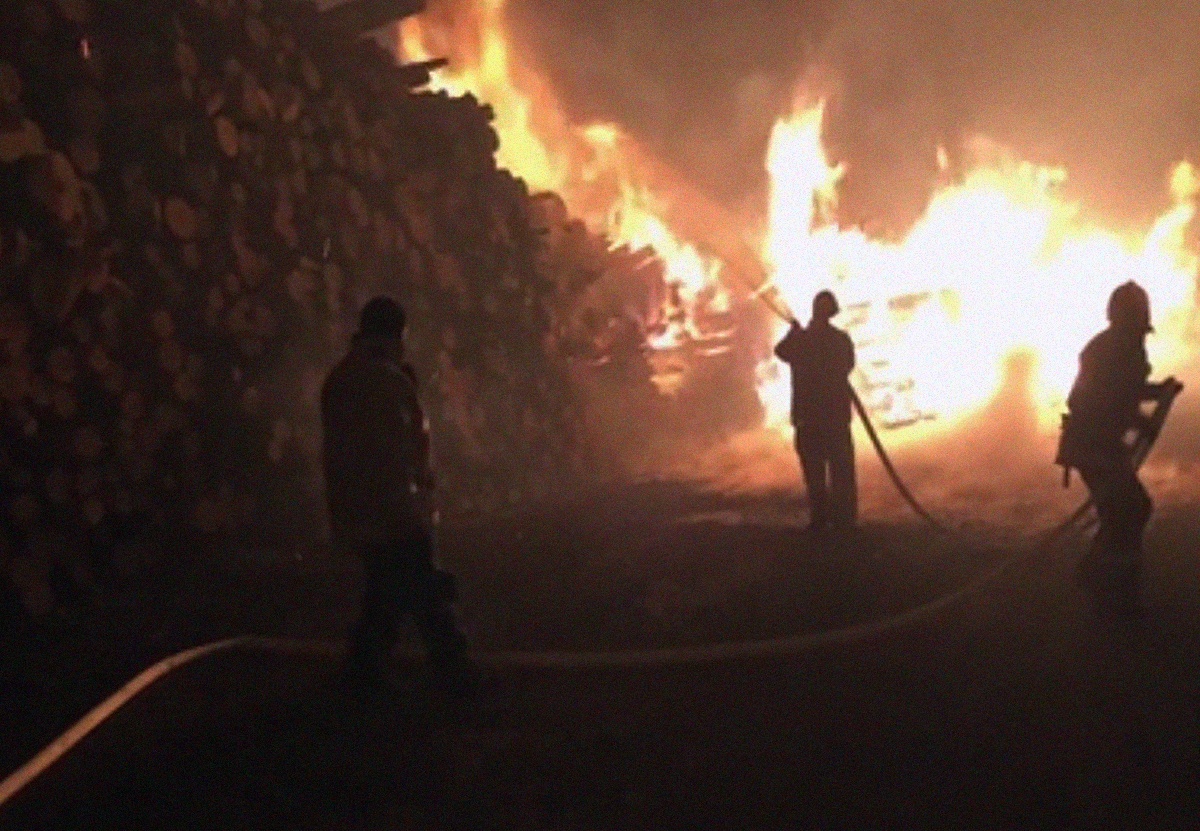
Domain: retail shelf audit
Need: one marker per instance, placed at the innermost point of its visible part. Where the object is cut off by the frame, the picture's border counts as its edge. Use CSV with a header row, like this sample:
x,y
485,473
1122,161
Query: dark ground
x,y
1018,708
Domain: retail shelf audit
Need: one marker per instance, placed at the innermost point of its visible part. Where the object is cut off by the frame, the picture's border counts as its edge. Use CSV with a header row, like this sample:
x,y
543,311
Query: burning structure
x,y
994,252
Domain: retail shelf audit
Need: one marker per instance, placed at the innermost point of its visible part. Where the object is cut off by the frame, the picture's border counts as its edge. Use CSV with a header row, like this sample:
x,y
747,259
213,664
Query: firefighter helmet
x,y
382,317
1129,308
824,305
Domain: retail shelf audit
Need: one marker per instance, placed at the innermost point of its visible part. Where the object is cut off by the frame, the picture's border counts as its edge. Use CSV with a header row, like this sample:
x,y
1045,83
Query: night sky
x,y
1110,90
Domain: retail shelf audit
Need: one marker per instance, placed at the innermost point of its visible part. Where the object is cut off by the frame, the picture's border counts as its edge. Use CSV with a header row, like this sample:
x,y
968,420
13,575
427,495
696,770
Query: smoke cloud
x,y
1108,89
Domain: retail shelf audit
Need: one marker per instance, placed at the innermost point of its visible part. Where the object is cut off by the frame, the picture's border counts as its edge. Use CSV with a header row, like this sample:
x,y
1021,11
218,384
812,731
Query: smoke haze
x,y
1109,90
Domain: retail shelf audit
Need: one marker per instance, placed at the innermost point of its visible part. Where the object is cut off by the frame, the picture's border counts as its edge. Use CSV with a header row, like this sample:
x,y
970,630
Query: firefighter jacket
x,y
821,358
1104,400
378,477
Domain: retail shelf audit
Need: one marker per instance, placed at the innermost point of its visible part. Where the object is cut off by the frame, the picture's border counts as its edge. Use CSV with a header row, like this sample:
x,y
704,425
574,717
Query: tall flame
x,y
596,168
999,264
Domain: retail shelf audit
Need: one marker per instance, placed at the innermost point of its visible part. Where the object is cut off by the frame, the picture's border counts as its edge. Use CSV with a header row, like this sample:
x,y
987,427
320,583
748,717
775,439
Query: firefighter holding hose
x,y
1104,407
821,358
379,486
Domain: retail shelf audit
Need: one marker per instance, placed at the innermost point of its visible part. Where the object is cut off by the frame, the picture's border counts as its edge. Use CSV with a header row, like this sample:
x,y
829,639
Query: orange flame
x,y
999,264
592,166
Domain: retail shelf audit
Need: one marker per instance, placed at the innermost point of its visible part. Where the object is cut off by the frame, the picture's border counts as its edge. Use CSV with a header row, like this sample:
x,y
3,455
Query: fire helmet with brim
x,y
1129,308
382,317
824,304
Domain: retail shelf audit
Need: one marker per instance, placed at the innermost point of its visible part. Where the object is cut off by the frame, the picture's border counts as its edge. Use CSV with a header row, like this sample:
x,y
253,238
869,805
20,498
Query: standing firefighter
x,y
379,484
1104,406
821,358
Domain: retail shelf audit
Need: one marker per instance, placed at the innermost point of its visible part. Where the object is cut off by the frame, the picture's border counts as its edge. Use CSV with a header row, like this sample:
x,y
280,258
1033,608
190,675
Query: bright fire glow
x,y
999,265
593,167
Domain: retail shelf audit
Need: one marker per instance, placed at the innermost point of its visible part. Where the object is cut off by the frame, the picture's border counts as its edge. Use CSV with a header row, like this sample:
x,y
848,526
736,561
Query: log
x,y
419,73
181,219
358,17
227,135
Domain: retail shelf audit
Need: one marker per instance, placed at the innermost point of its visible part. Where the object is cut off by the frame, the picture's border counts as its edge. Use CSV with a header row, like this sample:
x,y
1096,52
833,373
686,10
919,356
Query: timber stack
x,y
198,197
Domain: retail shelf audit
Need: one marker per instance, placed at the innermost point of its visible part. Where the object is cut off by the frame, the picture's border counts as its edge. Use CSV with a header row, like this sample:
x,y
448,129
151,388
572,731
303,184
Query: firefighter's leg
x,y
1123,508
375,632
446,647
433,615
1095,571
813,464
1087,573
1133,510
843,482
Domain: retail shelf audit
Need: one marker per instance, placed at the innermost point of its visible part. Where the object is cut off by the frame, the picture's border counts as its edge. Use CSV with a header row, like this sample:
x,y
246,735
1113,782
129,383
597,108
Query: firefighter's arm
x,y
1169,386
423,482
402,447
788,349
1165,389
1161,391
422,457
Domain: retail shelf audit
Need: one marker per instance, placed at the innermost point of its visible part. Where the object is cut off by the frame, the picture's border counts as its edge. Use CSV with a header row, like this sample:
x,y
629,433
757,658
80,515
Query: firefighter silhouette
x,y
379,486
821,358
1104,408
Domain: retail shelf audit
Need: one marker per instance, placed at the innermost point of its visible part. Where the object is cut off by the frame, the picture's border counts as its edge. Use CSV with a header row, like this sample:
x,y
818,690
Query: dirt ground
x,y
1018,707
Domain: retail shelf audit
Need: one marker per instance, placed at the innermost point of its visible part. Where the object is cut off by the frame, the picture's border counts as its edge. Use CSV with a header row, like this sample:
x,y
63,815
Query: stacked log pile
x,y
642,353
198,197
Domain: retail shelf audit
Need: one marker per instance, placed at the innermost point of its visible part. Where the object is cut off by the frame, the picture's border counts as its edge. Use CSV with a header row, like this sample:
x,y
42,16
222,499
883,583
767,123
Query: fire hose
x,y
774,647
886,461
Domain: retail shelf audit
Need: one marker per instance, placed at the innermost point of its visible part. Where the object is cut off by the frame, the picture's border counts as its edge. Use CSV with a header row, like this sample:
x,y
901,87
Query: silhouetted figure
x,y
379,485
1104,407
821,358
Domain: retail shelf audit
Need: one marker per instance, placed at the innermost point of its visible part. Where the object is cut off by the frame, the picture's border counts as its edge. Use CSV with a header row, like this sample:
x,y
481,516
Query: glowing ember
x,y
999,265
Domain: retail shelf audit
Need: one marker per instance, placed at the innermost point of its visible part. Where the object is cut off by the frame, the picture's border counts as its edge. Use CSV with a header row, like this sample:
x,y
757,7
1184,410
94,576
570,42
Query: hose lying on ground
x,y
575,660
775,647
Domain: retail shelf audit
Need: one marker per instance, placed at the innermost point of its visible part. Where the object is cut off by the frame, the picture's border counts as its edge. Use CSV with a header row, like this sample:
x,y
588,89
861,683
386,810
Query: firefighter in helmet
x,y
379,485
1104,407
821,358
